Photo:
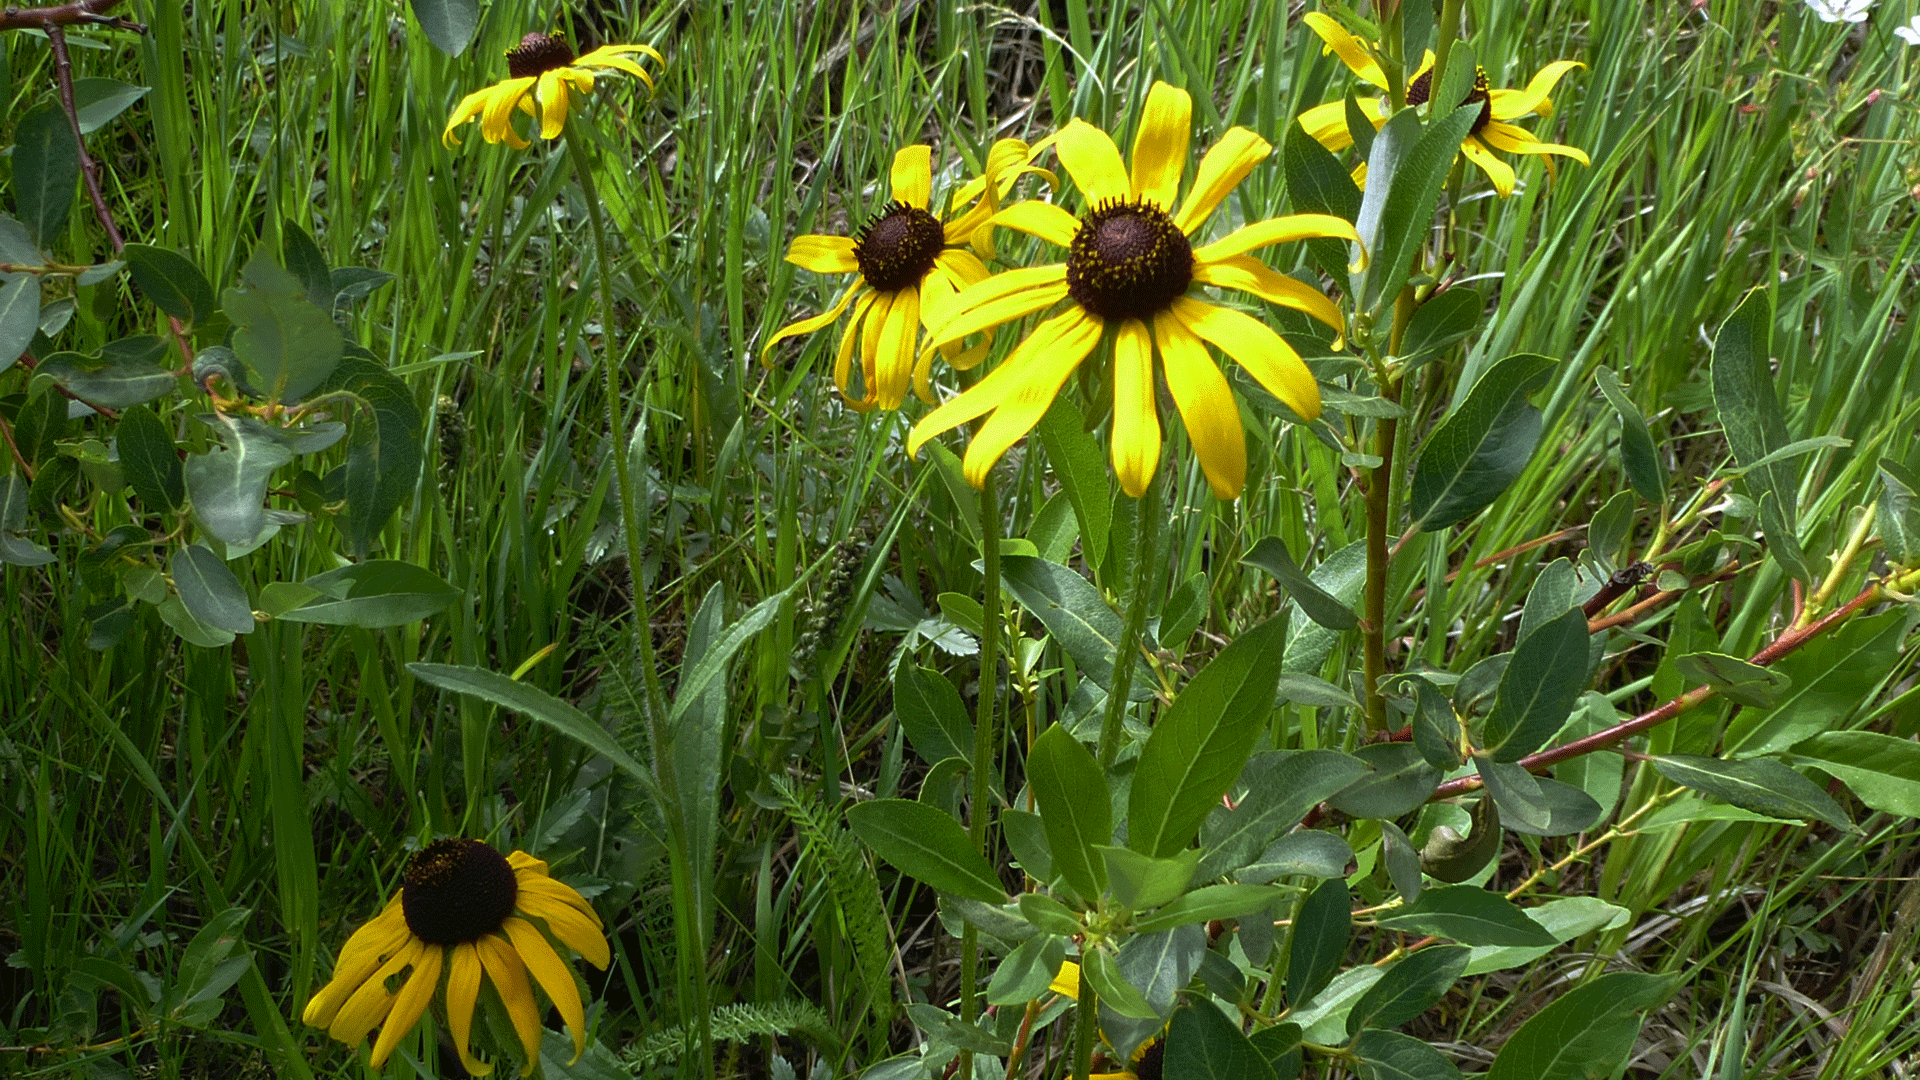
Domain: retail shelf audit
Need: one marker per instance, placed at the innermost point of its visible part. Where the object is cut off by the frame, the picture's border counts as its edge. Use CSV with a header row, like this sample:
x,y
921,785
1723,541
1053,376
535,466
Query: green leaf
x,y
150,460
1082,471
1027,839
1203,740
1271,555
1782,542
1282,786
1207,903
1884,772
1071,791
98,101
1049,915
1318,184
383,449
1830,678
373,594
1639,458
1159,965
191,630
1553,592
449,24
1469,915
1743,395
1202,1044
1309,852
1453,858
229,486
1436,727
1140,882
1444,318
1409,988
123,375
1736,679
1279,1046
924,843
353,283
46,168
307,265
1586,1032
1762,785
932,715
171,282
1115,992
1402,862
1406,169
1401,781
1539,687
1898,517
1389,1055
1075,614
1343,575
1184,610
1481,447
1319,940
1537,805
711,668
208,968
286,345
1565,919
210,590
531,701
1025,973
19,316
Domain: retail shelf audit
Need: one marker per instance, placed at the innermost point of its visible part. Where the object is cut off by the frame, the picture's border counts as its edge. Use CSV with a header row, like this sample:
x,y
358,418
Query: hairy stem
x,y
1146,524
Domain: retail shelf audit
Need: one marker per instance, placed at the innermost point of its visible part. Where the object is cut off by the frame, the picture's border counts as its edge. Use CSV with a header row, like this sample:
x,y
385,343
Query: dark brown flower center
x,y
897,248
1128,261
1422,88
457,891
538,54
1149,1066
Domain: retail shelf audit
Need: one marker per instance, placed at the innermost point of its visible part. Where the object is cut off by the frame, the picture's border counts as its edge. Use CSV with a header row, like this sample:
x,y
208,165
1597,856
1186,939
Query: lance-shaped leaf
x,y
1075,614
1743,395
1584,1033
46,168
228,487
1202,1044
375,593
1406,168
383,448
150,459
924,843
1468,915
449,24
1538,688
1071,792
171,282
1482,446
19,315
1639,458
1762,785
1271,555
1390,1055
210,590
121,375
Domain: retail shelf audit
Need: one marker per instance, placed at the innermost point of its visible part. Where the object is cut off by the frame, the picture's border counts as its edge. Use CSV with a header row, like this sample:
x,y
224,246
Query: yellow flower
x,y
1146,1060
542,73
910,265
1129,267
463,910
1327,124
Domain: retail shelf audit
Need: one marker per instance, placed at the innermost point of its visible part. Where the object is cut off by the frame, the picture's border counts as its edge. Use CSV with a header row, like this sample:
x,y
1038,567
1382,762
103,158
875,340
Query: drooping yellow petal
x,y
843,356
1352,51
913,175
370,1004
521,861
823,254
365,951
1278,230
1136,420
553,104
988,394
1518,140
409,1004
1041,372
1044,220
871,332
1002,298
1093,162
605,53
496,123
1266,356
1497,171
470,106
811,323
554,977
1206,406
1248,274
1227,163
1513,104
1327,125
574,930
897,339
964,265
1160,146
463,990
509,977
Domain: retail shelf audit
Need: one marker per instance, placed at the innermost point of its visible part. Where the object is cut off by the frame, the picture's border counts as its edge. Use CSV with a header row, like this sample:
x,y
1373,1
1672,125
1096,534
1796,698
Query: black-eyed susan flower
x,y
1145,1061
911,264
1130,266
463,912
543,77
1327,124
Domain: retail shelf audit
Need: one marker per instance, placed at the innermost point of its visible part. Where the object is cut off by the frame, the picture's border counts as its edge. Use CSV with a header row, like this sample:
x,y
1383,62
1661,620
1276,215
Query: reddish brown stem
x,y
78,13
89,171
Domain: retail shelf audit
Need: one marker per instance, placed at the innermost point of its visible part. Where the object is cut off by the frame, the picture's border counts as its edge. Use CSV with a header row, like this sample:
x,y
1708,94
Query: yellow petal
x,y
1206,407
463,990
1512,104
1517,140
1266,356
1093,161
897,339
409,1004
554,977
1136,419
539,888
470,106
1066,982
823,254
1279,230
1041,372
1327,125
1044,220
368,948
1497,171
1002,298
371,1002
509,977
1248,274
843,356
520,860
871,332
496,123
811,323
605,53
965,266
1227,163
1160,146
913,175
575,930
987,394
1352,51
553,105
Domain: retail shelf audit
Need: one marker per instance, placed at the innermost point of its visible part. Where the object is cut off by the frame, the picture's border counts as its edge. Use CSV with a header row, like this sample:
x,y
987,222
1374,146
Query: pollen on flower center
x,y
457,891
1128,261
538,54
897,248
1422,88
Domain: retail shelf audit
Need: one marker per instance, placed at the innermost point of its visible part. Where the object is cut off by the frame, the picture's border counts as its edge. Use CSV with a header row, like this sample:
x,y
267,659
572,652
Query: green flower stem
x,y
1373,622
1084,1028
1450,12
1146,519
690,944
985,734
